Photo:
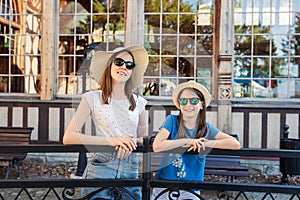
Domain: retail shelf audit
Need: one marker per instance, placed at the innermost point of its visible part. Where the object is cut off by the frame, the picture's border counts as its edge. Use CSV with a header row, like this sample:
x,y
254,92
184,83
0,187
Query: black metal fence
x,y
68,188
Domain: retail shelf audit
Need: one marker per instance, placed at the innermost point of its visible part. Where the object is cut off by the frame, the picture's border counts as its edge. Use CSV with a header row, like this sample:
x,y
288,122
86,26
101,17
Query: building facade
x,y
246,52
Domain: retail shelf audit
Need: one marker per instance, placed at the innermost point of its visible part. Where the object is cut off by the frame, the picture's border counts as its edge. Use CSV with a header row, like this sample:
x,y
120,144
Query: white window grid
x,y
20,70
251,12
177,78
106,39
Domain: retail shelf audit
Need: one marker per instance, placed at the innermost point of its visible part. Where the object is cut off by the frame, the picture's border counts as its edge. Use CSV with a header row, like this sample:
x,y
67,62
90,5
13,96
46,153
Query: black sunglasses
x,y
120,62
193,101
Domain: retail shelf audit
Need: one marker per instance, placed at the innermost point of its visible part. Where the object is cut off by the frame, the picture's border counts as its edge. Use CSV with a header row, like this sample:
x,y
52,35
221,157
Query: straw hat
x,y
140,55
190,84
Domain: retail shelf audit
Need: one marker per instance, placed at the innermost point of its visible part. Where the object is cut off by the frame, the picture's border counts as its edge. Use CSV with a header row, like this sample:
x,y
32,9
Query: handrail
x,y
51,148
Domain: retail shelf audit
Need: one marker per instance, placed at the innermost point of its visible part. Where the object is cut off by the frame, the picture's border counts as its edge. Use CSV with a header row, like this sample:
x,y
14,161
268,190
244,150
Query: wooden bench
x,y
224,165
221,165
13,135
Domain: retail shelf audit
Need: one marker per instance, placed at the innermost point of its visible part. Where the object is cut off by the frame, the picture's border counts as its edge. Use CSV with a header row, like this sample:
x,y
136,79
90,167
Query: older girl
x,y
119,117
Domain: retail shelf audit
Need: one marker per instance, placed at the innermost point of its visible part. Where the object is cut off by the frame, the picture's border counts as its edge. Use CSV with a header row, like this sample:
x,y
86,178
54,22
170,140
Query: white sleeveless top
x,y
114,119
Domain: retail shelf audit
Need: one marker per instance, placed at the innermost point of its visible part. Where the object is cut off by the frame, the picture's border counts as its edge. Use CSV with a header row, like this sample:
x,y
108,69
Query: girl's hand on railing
x,y
122,153
197,144
125,142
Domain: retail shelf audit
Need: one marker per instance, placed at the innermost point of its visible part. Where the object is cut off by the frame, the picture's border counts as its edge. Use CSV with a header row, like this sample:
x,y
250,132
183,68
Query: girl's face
x,y
189,110
120,74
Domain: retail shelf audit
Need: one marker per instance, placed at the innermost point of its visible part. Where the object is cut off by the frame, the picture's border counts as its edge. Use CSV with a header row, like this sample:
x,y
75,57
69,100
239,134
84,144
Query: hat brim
x,y
190,84
141,59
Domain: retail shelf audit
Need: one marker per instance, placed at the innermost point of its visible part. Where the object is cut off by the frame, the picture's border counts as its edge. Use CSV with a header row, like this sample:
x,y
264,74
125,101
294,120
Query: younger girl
x,y
190,130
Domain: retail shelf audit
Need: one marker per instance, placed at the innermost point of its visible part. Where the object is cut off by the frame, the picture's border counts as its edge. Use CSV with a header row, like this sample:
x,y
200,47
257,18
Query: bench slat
x,y
226,173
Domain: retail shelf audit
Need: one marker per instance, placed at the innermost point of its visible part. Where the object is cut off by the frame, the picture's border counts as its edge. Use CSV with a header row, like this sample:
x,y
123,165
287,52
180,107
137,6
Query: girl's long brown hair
x,y
201,118
105,83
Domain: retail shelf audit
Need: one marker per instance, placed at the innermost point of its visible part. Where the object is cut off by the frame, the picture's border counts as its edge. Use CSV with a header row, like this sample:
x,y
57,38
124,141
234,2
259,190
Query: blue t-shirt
x,y
183,166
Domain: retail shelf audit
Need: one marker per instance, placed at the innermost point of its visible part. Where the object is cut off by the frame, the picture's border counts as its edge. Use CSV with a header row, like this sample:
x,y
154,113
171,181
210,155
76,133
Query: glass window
x,y
179,38
267,33
84,28
20,47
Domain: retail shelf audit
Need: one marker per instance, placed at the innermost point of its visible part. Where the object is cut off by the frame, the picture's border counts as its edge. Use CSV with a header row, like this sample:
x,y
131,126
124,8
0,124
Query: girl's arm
x,y
223,141
161,142
142,129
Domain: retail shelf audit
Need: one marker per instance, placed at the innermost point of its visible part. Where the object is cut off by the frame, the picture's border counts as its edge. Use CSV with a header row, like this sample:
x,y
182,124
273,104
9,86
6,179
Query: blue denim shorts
x,y
105,165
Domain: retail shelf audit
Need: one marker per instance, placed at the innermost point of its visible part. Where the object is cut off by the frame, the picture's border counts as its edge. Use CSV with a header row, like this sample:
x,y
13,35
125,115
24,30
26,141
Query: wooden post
x,y
224,37
48,53
134,19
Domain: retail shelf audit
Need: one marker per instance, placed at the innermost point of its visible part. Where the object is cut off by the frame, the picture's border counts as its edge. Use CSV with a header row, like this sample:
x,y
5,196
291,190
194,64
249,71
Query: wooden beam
x,y
48,53
13,24
134,22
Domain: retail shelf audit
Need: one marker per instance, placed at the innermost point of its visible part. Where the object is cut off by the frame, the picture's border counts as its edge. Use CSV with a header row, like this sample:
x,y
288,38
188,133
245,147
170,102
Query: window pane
x,y
281,45
83,24
285,88
186,45
295,66
205,45
207,82
152,23
169,46
261,45
187,24
17,84
261,28
242,28
260,64
169,23
242,45
204,72
153,67
295,5
295,45
152,6
190,6
204,67
168,66
151,87
241,88
264,5
186,66
170,6
242,67
280,67
204,29
67,24
167,86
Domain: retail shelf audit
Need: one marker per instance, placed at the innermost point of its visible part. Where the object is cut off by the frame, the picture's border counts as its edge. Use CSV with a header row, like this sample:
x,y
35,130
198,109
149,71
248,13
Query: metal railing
x,y
66,188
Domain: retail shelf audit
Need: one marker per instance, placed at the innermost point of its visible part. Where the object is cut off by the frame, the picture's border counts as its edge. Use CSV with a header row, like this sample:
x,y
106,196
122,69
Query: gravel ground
x,y
32,170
